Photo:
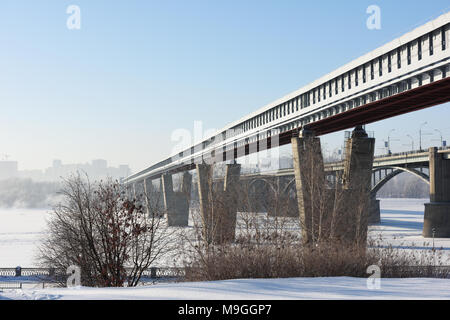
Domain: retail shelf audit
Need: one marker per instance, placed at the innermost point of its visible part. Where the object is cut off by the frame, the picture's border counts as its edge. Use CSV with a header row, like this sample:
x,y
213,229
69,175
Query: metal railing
x,y
10,285
152,272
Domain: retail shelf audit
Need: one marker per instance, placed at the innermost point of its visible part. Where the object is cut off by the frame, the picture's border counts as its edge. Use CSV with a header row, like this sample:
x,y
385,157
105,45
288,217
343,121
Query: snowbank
x,y
252,289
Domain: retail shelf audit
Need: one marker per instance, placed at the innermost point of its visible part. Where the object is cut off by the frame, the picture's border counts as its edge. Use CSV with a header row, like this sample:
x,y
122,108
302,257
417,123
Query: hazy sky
x,y
138,70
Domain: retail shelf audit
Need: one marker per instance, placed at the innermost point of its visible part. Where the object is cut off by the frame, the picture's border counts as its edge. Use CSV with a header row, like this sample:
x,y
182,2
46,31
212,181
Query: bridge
x,y
407,74
385,167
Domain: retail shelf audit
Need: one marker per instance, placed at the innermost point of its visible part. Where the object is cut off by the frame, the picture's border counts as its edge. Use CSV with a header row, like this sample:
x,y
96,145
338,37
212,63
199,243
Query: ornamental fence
x,y
152,273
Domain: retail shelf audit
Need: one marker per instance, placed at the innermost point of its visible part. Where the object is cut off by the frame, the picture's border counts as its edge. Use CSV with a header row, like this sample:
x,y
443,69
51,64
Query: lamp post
x,y
420,135
440,133
412,142
389,141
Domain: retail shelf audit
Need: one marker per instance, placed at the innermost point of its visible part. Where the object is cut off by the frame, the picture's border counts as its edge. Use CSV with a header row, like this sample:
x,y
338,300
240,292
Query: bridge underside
x,y
429,95
422,97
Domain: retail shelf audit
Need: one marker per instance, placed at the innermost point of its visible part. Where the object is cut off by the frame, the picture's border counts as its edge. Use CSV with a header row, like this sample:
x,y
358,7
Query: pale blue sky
x,y
138,70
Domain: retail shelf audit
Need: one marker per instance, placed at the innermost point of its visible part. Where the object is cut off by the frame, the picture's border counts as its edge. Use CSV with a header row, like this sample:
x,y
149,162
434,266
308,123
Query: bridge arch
x,y
396,171
280,199
288,185
291,184
266,181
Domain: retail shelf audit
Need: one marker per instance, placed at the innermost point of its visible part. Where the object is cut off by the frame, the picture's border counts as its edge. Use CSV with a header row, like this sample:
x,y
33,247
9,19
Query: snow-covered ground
x,y
401,225
253,289
20,231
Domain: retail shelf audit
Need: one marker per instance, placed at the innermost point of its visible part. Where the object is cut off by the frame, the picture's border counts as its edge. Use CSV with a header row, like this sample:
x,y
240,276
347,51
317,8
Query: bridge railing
x,y
405,153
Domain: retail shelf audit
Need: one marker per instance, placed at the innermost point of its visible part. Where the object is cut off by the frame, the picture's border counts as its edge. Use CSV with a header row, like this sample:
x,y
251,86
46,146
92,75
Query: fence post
x,y
153,272
18,271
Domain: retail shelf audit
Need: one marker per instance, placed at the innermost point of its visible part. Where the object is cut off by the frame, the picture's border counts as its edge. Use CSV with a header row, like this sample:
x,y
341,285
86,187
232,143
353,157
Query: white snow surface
x,y
401,225
253,289
20,232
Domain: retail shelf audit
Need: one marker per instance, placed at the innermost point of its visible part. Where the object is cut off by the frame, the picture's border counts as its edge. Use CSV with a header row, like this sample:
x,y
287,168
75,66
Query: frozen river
x,y
21,229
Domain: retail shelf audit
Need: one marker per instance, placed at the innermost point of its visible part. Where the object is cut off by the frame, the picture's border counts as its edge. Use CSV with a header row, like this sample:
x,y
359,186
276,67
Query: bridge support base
x,y
177,203
437,218
309,181
218,208
374,211
357,178
437,212
153,200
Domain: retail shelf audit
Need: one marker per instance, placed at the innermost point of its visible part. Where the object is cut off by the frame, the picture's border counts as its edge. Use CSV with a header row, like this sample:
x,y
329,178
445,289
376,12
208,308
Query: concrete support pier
x,y
437,211
374,210
354,216
341,213
204,180
148,197
218,207
227,231
359,151
176,204
309,181
129,191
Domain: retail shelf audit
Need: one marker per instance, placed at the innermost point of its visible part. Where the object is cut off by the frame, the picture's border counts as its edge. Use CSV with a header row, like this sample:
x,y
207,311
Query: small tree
x,y
109,235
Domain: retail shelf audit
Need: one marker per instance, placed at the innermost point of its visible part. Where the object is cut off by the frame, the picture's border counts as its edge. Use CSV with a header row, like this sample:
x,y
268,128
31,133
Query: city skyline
x,y
95,169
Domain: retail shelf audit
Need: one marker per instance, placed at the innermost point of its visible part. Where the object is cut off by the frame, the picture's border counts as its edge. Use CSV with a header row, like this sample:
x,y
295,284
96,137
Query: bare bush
x,y
273,246
106,233
283,258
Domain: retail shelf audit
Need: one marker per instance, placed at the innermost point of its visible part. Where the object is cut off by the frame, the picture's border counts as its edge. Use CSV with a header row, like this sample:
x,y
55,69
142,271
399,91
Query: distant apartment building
x,y
96,170
8,169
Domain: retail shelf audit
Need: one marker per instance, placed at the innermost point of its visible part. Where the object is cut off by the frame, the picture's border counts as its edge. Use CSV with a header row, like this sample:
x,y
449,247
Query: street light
x,y
420,135
412,142
389,141
440,133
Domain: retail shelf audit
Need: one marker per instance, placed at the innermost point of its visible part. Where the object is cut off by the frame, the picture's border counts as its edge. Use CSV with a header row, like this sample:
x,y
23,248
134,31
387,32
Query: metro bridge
x,y
407,74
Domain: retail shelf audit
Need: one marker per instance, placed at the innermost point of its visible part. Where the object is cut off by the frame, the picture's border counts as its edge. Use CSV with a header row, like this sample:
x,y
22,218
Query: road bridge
x,y
385,167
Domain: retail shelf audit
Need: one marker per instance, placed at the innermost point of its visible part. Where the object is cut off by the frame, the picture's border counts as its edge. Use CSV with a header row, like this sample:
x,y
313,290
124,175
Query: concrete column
x,y
176,204
186,184
148,192
160,197
437,211
227,230
168,194
183,201
359,160
354,216
153,205
134,193
374,210
139,192
129,191
204,180
218,207
309,181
